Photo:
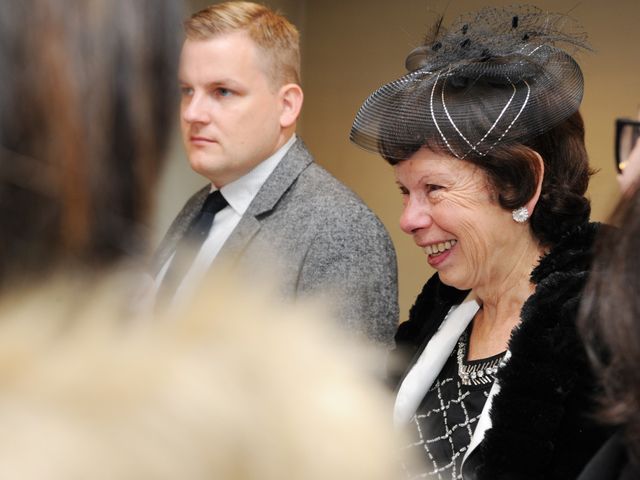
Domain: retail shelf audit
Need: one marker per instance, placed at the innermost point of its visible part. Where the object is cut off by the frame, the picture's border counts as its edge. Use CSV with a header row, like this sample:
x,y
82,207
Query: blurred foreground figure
x,y
211,395
610,324
86,106
627,155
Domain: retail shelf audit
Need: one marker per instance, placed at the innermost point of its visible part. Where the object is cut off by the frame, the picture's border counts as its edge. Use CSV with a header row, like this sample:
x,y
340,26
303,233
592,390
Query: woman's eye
x,y
186,91
432,188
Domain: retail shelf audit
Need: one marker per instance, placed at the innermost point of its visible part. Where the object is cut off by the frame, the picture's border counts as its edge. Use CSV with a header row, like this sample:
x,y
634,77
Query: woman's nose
x,y
415,216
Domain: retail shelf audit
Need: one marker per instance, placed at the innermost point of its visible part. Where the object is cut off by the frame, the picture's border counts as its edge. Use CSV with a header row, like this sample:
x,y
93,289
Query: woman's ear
x,y
533,201
291,98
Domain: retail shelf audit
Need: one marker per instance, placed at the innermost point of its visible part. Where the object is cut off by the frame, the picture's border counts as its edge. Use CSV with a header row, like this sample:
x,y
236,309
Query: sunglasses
x,y
627,134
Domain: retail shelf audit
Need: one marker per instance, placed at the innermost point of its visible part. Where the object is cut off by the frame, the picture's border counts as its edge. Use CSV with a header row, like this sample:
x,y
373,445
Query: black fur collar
x,y
541,418
573,252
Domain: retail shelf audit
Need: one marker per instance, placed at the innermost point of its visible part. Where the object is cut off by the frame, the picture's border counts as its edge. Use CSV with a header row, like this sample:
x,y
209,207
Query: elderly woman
x,y
488,150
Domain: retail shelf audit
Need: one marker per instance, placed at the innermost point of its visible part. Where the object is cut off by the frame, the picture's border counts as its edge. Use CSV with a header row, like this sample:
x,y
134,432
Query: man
x,y
239,77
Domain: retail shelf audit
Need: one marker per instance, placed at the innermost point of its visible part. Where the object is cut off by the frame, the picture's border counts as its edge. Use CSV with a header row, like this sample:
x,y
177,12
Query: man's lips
x,y
197,139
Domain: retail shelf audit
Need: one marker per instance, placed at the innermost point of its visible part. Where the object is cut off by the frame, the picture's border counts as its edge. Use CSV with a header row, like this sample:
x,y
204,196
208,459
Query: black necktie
x,y
190,245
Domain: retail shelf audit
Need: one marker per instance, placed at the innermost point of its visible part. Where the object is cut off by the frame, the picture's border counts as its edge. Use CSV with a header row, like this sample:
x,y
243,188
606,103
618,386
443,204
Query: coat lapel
x,y
178,228
428,365
281,179
484,422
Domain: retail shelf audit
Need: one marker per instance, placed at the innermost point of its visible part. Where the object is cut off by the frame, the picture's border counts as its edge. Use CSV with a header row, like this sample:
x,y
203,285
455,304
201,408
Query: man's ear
x,y
533,201
291,98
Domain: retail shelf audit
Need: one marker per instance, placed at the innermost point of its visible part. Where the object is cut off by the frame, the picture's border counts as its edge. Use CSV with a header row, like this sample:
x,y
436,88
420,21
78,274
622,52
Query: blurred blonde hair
x,y
276,37
235,387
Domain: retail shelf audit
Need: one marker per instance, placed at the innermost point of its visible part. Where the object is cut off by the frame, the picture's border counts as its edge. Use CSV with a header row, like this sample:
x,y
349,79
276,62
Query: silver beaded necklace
x,y
480,373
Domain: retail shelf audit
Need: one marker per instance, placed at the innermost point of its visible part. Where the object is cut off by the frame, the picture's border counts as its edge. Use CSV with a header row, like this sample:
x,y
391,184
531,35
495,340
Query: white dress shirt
x,y
239,194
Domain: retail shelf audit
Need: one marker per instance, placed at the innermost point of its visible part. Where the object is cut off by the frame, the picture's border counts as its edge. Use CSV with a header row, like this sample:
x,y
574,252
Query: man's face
x,y
230,110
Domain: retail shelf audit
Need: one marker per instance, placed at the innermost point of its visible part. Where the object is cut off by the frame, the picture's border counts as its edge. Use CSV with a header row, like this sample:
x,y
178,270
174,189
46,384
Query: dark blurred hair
x,y
86,106
609,320
513,174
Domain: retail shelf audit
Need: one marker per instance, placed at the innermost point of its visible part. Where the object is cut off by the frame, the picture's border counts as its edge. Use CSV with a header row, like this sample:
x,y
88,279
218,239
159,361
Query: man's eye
x,y
223,92
186,91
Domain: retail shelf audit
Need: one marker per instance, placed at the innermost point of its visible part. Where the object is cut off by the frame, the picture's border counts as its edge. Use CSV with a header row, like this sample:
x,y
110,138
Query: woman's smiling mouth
x,y
439,247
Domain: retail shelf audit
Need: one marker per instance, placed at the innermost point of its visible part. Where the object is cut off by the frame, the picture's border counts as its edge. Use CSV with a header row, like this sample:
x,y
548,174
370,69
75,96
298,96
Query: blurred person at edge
x,y
610,323
627,154
487,146
279,210
84,118
85,115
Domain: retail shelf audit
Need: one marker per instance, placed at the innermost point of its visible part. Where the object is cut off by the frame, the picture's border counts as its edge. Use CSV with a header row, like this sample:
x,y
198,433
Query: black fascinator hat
x,y
498,76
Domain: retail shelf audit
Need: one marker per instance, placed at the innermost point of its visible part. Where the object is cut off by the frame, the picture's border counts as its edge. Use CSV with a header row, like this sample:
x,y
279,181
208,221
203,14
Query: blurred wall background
x,y
350,47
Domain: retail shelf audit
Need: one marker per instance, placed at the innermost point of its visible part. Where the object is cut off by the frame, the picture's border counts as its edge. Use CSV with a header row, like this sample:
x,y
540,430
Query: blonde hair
x,y
234,387
276,37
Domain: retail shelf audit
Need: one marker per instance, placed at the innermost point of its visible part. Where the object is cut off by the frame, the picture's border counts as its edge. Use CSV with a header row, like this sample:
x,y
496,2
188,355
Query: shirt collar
x,y
241,192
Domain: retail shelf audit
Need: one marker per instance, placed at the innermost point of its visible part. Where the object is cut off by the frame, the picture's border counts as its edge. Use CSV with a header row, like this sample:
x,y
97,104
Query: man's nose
x,y
195,110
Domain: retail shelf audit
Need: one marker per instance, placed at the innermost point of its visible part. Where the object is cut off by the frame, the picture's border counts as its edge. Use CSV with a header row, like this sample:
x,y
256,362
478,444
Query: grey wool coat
x,y
321,238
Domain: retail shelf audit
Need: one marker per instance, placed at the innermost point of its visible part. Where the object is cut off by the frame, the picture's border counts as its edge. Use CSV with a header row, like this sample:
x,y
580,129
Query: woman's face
x,y
451,213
